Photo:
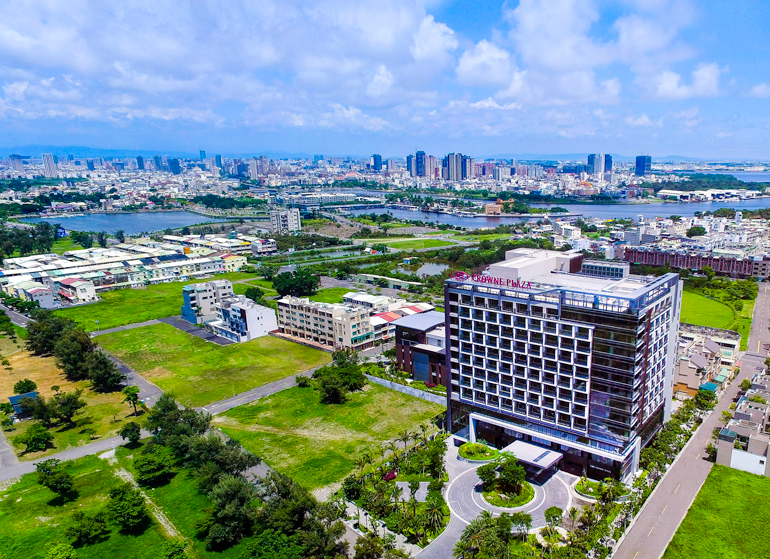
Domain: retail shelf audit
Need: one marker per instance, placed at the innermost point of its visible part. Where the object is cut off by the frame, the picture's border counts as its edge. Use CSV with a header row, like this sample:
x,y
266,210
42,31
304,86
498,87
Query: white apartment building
x,y
331,325
581,365
75,290
285,221
241,319
200,300
263,247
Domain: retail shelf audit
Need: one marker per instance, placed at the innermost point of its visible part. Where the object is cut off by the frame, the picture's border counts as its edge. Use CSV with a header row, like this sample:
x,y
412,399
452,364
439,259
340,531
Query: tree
x,y
726,417
745,385
86,528
512,473
696,231
231,516
298,283
256,294
154,464
131,432
705,399
127,507
61,551
103,373
101,238
757,399
368,546
273,545
553,516
332,389
211,458
71,351
174,549
38,408
521,522
36,439
45,331
52,475
24,386
131,394
487,474
120,235
66,404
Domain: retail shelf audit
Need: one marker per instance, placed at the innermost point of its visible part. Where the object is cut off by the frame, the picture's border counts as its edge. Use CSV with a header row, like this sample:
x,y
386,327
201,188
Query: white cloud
x,y
705,83
761,91
380,83
485,64
433,42
641,120
490,103
15,90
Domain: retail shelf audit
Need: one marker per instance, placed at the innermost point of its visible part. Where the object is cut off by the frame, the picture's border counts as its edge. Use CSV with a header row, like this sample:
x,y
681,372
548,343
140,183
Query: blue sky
x,y
536,76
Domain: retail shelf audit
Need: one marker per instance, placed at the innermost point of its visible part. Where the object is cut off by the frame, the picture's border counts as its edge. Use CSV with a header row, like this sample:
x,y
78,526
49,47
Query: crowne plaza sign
x,y
491,280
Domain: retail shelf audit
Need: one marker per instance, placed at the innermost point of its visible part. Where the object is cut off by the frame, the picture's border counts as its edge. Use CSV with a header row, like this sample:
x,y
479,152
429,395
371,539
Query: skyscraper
x,y
643,165
453,164
156,161
468,169
173,166
253,169
218,161
608,163
420,162
203,154
140,162
411,165
377,162
17,162
573,357
596,164
49,166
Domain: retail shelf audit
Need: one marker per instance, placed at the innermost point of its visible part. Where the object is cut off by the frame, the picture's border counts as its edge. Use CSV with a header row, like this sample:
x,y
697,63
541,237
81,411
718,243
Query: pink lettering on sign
x,y
491,280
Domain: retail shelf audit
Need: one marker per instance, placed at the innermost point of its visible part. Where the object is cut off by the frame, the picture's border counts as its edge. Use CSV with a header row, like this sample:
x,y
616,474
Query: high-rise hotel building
x,y
579,363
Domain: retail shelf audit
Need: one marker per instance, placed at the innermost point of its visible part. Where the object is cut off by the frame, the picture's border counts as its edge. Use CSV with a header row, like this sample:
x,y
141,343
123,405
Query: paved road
x,y
667,506
124,327
195,330
17,318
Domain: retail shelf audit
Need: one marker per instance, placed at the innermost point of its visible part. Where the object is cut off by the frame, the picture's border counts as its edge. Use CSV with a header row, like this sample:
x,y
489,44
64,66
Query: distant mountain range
x,y
35,150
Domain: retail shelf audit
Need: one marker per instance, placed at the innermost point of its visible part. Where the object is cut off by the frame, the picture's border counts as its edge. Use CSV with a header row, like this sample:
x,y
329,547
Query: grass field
x,y
330,295
105,414
31,519
743,323
419,243
316,444
728,519
200,372
702,311
483,237
125,306
63,245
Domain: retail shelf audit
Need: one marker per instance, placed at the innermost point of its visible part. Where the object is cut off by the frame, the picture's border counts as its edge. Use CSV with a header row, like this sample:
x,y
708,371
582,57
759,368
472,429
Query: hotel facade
x,y
575,363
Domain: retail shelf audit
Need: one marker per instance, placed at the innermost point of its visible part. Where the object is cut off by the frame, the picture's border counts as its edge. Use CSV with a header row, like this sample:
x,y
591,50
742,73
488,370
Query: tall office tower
x,y
608,163
263,165
174,167
202,154
390,164
70,157
377,162
17,162
420,162
596,162
411,165
643,165
571,357
432,167
253,170
317,159
468,170
218,161
453,163
49,166
140,162
157,162
90,165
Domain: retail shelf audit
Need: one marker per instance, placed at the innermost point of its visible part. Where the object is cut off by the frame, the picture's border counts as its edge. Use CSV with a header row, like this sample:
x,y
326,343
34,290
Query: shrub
x,y
131,432
61,551
302,382
390,476
36,439
127,507
86,528
351,488
51,474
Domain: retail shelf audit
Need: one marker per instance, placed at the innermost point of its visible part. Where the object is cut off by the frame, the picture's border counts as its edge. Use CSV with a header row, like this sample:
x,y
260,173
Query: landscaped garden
x,y
596,489
126,306
727,520
503,482
477,451
316,444
697,309
200,372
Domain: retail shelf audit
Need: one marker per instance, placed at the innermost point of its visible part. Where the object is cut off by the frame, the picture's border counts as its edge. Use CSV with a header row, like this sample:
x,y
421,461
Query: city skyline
x,y
662,77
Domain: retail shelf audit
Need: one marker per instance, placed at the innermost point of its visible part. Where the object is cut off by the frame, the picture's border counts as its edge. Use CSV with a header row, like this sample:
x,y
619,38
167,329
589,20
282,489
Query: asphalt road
x,y
17,318
664,511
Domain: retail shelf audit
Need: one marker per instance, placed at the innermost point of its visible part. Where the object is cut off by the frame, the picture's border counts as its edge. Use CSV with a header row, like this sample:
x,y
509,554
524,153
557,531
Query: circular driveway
x,y
466,502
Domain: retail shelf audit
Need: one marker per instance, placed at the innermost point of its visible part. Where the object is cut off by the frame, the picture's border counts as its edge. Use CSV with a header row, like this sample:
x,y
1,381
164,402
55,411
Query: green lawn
x,y
200,372
315,443
702,311
125,306
743,324
63,245
32,518
728,519
330,295
419,243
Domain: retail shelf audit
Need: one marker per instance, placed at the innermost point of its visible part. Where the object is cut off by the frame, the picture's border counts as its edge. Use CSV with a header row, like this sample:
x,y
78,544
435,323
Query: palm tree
x,y
360,462
404,435
392,447
573,514
396,495
434,511
423,431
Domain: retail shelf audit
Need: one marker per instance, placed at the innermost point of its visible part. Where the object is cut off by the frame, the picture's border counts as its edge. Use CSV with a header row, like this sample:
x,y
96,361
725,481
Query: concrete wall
x,y
435,398
747,462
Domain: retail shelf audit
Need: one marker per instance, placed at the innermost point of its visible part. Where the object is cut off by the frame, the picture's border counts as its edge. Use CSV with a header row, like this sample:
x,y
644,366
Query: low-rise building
x,y
233,262
332,326
75,290
744,442
200,300
34,292
421,346
241,319
263,247
285,221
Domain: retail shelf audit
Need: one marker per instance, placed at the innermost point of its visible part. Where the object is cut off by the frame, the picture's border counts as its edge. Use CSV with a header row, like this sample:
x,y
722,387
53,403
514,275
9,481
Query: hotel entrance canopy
x,y
533,455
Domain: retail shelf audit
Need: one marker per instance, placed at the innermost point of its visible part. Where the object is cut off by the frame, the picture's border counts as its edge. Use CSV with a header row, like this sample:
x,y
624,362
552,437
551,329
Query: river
x,y
130,223
603,211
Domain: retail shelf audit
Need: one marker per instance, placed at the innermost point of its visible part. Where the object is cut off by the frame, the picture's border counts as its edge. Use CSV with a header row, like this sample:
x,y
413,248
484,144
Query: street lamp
x,y
97,325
